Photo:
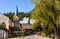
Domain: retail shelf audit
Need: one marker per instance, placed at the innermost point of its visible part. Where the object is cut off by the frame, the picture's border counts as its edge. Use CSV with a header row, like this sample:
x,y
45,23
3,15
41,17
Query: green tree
x,y
21,14
47,14
10,15
3,26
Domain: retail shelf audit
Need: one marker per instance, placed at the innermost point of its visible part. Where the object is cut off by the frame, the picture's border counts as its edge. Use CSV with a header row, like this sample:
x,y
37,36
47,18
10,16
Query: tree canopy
x,y
47,13
45,8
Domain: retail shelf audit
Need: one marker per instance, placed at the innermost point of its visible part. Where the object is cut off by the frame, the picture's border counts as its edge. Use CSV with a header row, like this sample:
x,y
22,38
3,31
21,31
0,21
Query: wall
x,y
25,20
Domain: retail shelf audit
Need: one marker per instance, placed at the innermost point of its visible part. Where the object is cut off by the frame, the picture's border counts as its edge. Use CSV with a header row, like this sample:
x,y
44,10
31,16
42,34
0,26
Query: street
x,y
32,37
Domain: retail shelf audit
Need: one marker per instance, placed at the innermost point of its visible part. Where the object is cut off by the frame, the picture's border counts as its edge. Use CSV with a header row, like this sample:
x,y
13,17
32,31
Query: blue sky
x,y
10,5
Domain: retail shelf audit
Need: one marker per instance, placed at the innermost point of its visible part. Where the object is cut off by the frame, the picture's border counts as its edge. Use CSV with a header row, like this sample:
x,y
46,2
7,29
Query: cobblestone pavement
x,y
32,37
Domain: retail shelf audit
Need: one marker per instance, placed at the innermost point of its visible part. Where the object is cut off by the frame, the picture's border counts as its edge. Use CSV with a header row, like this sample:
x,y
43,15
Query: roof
x,y
3,18
6,20
27,26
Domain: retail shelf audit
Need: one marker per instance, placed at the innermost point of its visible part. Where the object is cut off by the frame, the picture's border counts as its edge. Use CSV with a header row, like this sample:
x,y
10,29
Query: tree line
x,y
20,14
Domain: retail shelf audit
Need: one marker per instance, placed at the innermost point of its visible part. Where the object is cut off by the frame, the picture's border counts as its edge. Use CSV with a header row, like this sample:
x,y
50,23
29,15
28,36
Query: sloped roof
x,y
27,26
3,18
6,20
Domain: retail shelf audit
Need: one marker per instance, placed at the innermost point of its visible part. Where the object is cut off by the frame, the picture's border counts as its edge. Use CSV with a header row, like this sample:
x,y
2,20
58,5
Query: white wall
x,y
25,20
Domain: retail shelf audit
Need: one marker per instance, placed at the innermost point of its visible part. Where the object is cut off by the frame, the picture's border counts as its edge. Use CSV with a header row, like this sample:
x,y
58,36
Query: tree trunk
x,y
56,32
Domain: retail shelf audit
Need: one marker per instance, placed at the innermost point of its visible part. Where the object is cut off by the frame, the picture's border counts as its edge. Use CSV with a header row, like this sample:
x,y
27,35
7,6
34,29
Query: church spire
x,y
16,14
16,10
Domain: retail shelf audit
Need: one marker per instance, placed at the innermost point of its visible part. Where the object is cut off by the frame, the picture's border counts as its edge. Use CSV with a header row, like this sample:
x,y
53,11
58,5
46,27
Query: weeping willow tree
x,y
47,14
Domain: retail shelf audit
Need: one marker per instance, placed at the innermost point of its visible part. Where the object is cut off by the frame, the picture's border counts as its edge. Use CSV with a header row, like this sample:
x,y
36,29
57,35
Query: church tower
x,y
16,19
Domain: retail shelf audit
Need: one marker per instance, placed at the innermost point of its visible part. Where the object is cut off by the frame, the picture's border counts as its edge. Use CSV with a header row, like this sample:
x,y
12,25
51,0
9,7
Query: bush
x,y
36,27
46,30
24,32
0,38
52,35
43,34
3,26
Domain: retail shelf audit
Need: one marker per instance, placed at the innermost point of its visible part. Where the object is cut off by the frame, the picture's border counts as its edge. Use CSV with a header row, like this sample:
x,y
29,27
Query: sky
x,y
10,5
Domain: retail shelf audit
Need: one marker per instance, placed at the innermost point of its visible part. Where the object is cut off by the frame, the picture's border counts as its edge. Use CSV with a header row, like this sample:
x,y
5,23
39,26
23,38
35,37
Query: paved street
x,y
32,37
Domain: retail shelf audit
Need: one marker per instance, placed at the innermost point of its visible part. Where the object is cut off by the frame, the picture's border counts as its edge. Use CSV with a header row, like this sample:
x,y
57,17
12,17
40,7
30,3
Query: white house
x,y
25,20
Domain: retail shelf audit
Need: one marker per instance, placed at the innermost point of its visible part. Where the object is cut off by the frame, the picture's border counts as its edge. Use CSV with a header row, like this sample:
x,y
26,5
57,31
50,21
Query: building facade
x,y
16,19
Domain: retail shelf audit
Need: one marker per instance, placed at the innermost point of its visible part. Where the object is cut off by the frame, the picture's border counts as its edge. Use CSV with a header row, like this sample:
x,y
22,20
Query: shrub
x,y
24,32
0,38
37,27
43,34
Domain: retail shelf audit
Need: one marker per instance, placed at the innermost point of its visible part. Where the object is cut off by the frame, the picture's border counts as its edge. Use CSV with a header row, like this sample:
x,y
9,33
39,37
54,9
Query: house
x,y
26,20
7,24
6,20
26,26
16,19
26,23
